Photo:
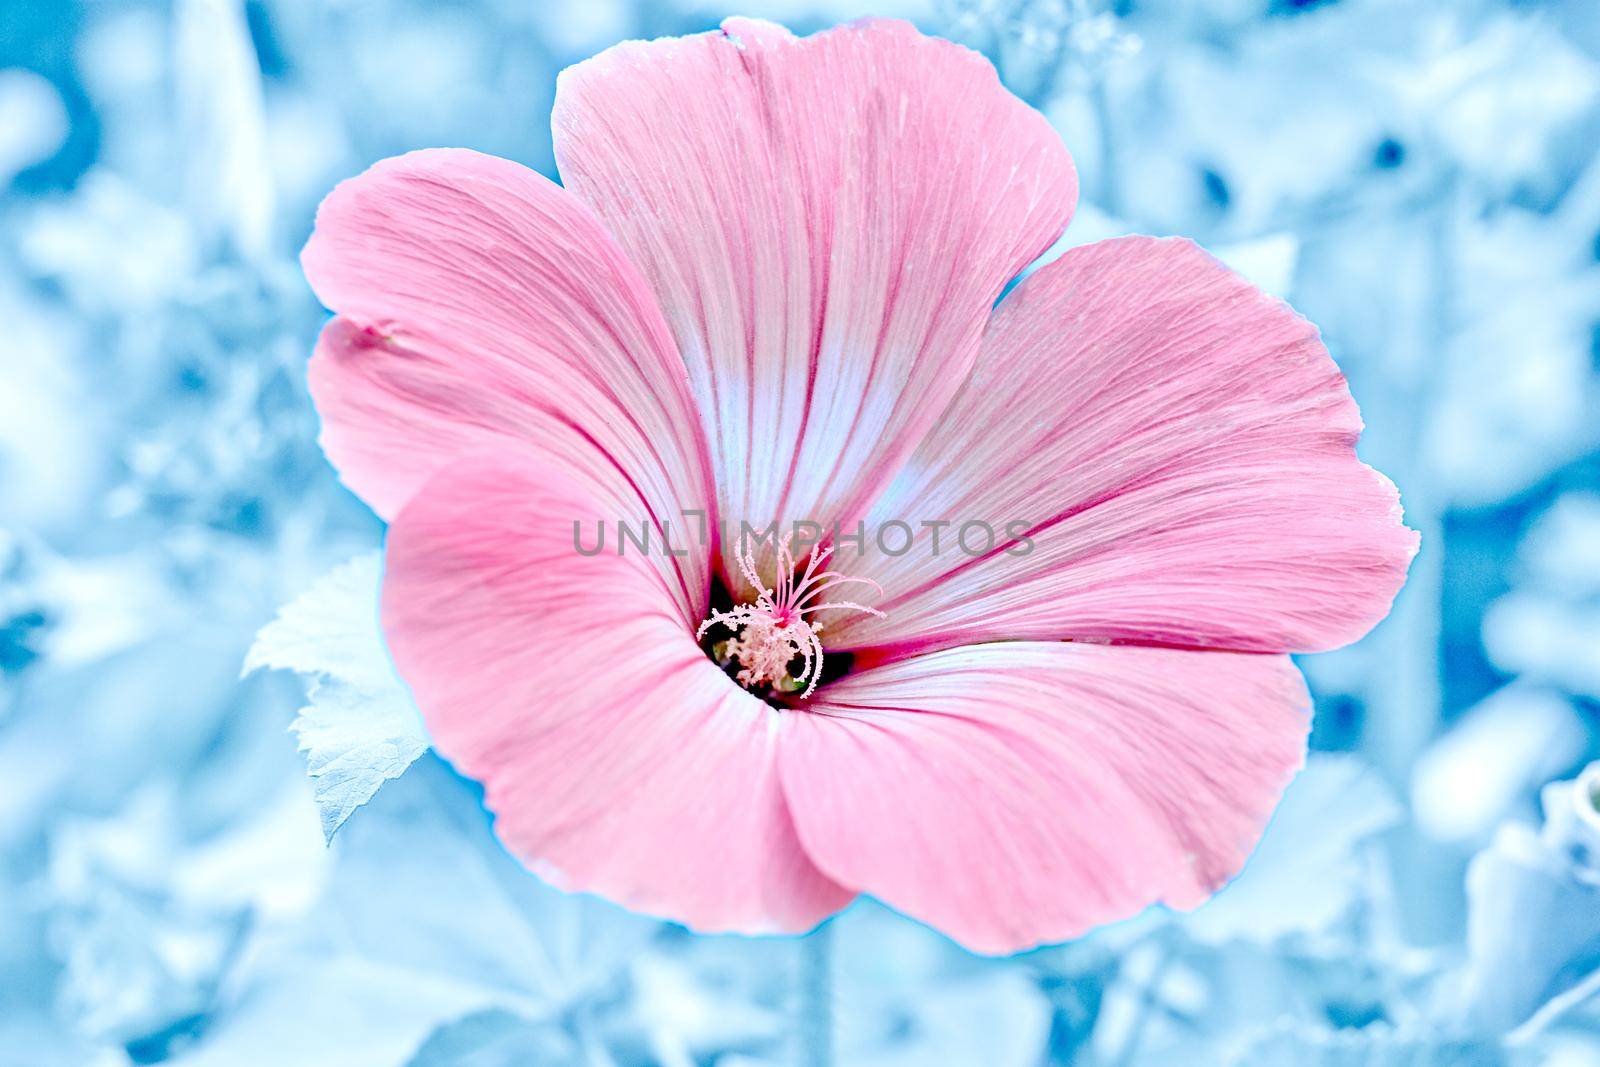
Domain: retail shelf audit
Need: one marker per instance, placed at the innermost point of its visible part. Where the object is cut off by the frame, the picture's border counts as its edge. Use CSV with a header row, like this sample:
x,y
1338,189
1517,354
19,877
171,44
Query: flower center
x,y
775,646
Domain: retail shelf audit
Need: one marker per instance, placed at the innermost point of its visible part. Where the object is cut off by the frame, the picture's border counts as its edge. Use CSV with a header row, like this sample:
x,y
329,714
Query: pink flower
x,y
767,292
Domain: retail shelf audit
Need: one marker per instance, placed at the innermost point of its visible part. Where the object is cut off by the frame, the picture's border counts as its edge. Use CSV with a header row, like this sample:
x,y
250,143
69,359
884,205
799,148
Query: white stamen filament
x,y
772,630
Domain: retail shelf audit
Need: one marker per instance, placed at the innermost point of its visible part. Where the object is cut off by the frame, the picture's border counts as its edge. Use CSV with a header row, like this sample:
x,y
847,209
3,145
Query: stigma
x,y
778,629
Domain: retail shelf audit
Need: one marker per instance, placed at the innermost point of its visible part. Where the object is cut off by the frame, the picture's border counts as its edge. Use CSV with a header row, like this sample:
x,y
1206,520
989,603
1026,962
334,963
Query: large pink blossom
x,y
768,292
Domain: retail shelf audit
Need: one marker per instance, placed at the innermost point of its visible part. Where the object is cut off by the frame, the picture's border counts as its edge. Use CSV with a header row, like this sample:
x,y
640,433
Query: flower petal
x,y
616,757
481,305
1178,448
827,222
1018,793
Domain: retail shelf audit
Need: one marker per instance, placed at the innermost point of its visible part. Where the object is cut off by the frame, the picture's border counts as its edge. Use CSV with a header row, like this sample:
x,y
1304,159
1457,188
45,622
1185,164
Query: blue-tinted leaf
x,y
361,728
497,1038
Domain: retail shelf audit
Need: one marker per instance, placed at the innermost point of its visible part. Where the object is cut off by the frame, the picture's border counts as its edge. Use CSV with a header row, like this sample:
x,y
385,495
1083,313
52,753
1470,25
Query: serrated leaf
x,y
330,630
361,728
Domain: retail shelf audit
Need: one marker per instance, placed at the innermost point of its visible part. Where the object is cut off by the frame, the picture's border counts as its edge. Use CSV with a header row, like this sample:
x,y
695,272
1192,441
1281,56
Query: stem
x,y
1553,1010
815,1021
1100,101
1148,1001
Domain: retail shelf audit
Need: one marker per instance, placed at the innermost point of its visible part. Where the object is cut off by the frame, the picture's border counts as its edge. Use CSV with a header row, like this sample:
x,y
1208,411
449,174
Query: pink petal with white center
x,y
827,222
480,305
1179,449
616,757
1019,793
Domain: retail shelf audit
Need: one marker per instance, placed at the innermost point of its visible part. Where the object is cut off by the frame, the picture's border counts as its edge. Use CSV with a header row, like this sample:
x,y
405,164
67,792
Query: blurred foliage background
x,y
1419,178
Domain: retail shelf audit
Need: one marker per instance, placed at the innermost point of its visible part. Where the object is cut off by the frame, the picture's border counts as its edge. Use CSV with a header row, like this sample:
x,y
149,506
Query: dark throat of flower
x,y
770,641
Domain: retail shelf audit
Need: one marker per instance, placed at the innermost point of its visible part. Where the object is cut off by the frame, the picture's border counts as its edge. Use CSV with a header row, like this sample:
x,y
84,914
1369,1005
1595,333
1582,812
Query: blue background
x,y
1421,179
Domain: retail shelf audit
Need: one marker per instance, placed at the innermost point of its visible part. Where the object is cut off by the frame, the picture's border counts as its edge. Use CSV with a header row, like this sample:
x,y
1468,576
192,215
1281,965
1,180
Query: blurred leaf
x,y
335,1011
1548,627
1290,1044
227,177
1533,929
496,1038
1492,762
1307,872
420,882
